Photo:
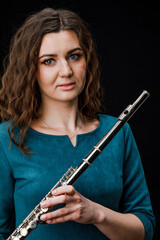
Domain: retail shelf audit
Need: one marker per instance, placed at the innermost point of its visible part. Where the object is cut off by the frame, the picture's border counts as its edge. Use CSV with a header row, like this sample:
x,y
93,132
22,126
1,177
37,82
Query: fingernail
x,y
49,221
43,205
43,217
54,191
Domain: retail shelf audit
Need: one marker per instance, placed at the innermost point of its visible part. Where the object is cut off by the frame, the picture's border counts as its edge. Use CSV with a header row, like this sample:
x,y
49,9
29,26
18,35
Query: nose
x,y
65,69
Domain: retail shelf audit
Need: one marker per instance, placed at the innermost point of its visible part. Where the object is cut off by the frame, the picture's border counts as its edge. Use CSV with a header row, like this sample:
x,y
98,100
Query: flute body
x,y
70,177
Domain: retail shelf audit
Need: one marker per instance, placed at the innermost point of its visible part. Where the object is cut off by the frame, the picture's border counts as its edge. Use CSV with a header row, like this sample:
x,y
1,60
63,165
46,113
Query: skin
x,y
61,77
62,69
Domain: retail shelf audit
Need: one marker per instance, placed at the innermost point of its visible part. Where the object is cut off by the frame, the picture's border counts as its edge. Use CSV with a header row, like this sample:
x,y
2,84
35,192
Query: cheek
x,y
82,72
82,77
45,76
40,76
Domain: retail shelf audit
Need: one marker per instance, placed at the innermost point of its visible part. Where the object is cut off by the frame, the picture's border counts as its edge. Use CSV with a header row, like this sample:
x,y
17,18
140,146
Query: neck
x,y
62,115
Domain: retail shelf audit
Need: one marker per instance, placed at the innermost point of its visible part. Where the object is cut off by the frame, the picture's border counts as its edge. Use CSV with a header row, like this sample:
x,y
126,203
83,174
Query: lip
x,y
67,86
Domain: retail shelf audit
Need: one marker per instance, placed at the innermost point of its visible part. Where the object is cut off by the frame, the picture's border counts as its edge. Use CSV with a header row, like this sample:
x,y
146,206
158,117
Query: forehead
x,y
62,41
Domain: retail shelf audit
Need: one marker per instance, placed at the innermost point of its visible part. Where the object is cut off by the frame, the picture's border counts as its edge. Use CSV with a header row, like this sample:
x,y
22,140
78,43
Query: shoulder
x,y
4,130
4,135
4,141
4,127
107,118
8,150
108,121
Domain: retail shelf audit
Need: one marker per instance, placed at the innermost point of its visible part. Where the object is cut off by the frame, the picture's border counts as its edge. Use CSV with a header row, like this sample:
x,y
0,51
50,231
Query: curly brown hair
x,y
20,97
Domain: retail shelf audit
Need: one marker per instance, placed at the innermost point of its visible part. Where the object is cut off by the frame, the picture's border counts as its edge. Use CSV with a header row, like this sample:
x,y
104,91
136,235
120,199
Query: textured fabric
x,y
115,179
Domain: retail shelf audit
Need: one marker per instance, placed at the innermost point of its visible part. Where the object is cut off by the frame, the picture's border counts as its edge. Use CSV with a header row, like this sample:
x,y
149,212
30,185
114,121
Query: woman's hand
x,y
113,224
77,208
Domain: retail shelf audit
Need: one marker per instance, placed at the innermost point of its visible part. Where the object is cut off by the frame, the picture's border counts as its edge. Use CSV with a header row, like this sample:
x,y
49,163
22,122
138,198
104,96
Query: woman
x,y
50,104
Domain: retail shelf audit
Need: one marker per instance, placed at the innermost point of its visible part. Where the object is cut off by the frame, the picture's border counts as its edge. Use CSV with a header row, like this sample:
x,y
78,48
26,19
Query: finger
x,y
54,201
65,218
69,189
56,214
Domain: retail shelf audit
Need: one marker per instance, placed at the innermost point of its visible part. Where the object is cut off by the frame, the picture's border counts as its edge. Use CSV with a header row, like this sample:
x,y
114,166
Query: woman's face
x,y
62,67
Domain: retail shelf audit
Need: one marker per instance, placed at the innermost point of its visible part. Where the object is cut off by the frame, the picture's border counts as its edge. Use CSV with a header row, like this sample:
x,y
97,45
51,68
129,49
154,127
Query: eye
x,y
50,61
75,56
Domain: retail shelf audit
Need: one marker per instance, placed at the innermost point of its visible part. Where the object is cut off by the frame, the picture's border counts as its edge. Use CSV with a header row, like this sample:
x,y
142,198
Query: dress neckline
x,y
33,131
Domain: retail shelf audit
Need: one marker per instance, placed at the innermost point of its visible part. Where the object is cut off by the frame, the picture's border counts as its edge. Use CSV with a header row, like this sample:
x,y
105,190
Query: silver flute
x,y
69,178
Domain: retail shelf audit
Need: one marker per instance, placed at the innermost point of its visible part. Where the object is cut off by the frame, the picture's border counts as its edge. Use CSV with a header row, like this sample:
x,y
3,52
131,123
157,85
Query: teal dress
x,y
115,180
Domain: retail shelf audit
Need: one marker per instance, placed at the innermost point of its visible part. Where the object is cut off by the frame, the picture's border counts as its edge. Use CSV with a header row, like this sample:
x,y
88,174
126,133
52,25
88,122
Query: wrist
x,y
99,215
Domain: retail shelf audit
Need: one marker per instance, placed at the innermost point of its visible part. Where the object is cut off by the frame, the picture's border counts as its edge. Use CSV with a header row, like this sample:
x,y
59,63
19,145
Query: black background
x,y
127,37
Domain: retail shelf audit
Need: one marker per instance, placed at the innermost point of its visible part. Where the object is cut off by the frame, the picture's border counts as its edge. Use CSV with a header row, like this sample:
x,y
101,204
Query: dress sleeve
x,y
6,196
135,198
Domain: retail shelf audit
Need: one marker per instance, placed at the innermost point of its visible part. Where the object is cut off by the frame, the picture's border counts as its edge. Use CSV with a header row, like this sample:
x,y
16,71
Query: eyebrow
x,y
55,55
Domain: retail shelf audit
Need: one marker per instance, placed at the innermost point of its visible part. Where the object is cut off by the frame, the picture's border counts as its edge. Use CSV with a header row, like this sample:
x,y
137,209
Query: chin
x,y
68,97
